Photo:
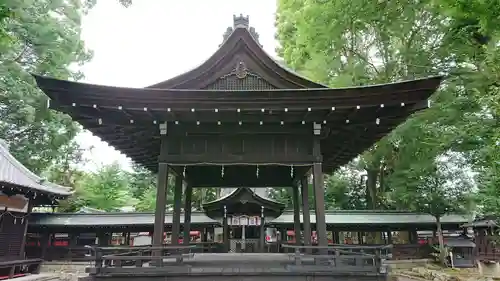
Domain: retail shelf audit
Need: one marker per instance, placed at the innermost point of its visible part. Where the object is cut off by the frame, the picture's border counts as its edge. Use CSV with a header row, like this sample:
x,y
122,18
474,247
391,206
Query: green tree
x,y
106,189
344,190
349,43
439,188
141,180
41,37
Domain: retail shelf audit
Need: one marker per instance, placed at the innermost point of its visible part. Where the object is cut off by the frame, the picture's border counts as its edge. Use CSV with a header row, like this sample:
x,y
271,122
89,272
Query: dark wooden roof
x,y
240,44
264,93
488,221
243,201
16,178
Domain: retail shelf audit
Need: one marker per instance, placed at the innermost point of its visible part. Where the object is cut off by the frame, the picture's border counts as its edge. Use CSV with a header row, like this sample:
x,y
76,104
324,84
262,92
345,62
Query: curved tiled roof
x,y
335,218
15,173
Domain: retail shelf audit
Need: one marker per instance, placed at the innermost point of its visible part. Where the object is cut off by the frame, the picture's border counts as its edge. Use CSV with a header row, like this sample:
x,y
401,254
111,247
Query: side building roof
x,y
342,219
15,177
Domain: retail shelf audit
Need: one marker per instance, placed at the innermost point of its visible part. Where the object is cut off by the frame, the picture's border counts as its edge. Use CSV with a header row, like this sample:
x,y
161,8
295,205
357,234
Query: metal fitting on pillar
x,y
225,211
262,211
317,129
163,128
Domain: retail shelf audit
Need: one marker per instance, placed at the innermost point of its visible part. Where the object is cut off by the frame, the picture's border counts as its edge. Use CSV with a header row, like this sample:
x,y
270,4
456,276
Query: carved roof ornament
x,y
241,70
241,22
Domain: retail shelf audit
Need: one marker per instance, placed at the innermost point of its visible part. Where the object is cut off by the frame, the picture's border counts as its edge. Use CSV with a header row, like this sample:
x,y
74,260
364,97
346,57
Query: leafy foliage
x,y
41,37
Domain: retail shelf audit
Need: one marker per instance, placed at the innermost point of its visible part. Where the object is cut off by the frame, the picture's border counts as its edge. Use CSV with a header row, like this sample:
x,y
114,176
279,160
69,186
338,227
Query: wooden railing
x,y
348,259
395,251
111,260
411,251
82,253
10,268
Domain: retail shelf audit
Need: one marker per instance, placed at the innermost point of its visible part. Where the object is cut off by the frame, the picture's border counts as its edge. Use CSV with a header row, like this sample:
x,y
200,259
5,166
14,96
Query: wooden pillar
x,y
44,244
306,212
296,214
25,231
319,190
176,219
161,201
262,236
187,214
225,231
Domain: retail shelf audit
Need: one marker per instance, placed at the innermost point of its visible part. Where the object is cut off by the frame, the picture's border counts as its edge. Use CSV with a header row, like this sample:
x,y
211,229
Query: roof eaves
x,y
30,179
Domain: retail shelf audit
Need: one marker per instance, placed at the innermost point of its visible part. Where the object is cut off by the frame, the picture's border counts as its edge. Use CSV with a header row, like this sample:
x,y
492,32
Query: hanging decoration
x,y
222,171
291,172
184,172
257,171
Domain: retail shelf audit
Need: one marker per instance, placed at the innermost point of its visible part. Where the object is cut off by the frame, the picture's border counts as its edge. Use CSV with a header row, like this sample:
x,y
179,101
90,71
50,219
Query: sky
x,y
154,40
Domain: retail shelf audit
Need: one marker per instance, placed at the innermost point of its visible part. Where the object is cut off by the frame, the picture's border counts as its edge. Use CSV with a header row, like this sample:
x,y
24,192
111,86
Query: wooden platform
x,y
233,266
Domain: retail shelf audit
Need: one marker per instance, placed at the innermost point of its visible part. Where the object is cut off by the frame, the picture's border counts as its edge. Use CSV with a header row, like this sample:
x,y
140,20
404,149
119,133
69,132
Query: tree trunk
x,y
442,251
371,188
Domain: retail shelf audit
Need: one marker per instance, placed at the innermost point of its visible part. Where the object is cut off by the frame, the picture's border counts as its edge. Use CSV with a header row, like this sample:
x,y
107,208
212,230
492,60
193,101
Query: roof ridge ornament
x,y
240,22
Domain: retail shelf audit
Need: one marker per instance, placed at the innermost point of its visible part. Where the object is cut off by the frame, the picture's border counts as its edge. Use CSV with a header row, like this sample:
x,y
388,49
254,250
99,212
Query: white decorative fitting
x,y
94,106
308,109
216,110
282,122
286,109
347,121
99,121
262,109
324,121
333,108
218,122
377,121
402,104
303,122
238,110
120,107
145,109
73,104
163,128
154,121
382,105
168,109
316,129
240,123
131,121
358,107
176,122
261,122
192,110
428,103
197,122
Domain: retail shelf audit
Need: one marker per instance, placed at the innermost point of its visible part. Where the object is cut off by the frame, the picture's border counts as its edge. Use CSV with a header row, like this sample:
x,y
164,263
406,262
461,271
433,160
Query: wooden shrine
x,y
20,191
240,119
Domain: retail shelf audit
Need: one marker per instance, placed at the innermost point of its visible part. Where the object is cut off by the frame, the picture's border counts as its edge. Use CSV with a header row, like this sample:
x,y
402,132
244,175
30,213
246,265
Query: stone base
x,y
406,264
70,271
489,269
